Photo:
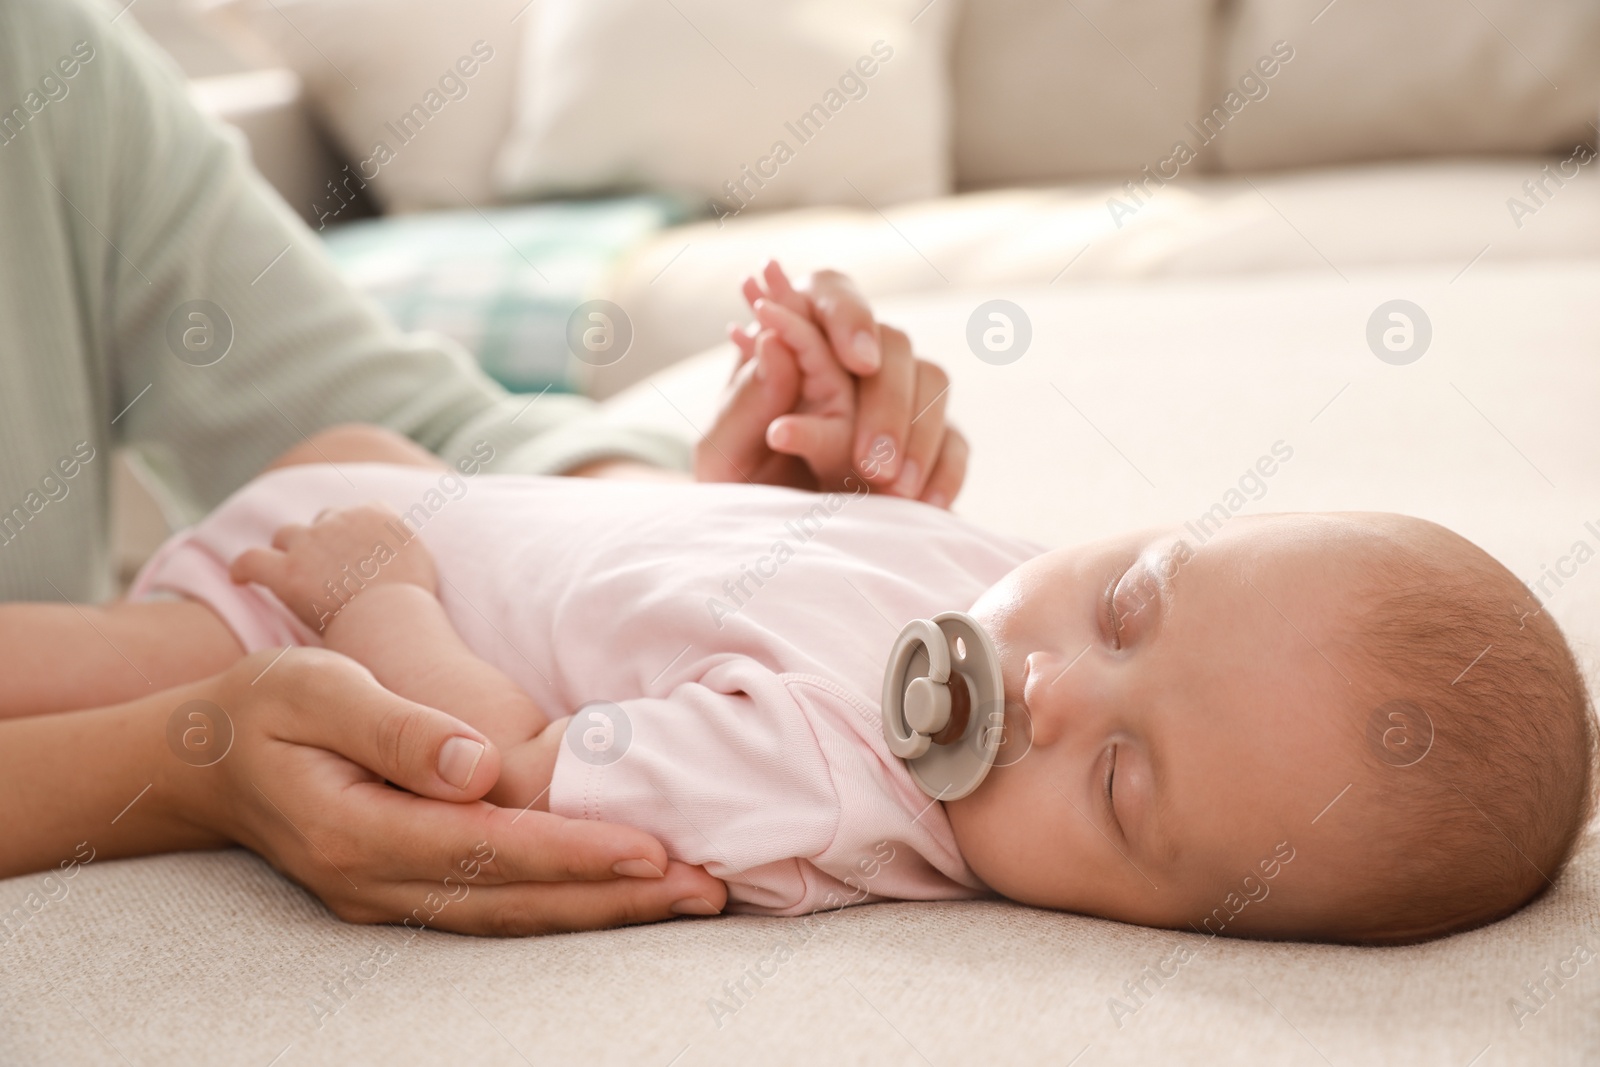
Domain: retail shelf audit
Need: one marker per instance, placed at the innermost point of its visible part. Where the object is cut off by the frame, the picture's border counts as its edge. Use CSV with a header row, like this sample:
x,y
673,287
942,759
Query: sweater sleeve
x,y
230,334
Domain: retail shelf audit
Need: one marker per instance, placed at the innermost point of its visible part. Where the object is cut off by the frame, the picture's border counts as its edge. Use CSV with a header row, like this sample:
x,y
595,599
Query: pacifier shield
x,y
944,703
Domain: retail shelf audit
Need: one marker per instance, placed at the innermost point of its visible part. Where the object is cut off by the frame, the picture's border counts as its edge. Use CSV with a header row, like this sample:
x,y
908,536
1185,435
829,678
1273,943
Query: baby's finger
x,y
825,377
848,322
794,329
743,338
286,536
925,436
764,388
885,410
777,375
752,291
949,472
780,291
263,566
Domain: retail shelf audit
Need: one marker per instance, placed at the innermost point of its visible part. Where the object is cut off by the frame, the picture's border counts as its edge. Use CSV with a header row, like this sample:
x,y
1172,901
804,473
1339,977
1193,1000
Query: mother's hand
x,y
844,394
315,736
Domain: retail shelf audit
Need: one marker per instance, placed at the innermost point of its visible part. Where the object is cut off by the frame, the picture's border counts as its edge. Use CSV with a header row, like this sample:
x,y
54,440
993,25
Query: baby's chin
x,y
990,835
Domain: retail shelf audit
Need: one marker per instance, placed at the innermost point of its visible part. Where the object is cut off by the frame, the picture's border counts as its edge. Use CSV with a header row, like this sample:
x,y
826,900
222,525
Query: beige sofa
x,y
1166,356
1399,132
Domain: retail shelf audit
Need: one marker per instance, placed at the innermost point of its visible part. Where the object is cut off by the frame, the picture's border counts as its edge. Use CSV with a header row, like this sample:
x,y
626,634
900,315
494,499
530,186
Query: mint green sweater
x,y
120,205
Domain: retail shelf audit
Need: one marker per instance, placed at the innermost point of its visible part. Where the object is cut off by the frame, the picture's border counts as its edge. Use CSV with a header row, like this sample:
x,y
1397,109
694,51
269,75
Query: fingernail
x,y
867,350
906,484
761,368
938,500
695,906
879,461
458,758
635,869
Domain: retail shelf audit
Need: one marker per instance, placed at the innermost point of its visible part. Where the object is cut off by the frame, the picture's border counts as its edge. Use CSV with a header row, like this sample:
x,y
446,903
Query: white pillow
x,y
753,105
368,64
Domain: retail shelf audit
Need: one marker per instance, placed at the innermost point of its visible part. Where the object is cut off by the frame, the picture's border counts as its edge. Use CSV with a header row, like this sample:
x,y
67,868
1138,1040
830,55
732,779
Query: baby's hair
x,y
1478,737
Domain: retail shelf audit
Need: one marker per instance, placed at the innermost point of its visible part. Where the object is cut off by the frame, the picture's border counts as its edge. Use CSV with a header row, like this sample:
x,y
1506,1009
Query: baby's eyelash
x,y
1111,776
1113,625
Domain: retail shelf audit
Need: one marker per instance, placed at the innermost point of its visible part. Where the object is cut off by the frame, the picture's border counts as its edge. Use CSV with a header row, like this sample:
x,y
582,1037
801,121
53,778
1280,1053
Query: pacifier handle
x,y
944,703
923,698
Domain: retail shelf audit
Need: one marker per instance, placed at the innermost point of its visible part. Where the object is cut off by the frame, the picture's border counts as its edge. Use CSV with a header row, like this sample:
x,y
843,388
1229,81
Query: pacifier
x,y
944,703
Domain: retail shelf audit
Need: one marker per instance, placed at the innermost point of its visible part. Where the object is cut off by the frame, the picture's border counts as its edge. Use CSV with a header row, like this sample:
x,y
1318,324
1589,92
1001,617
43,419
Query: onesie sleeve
x,y
726,772
771,782
194,561
187,566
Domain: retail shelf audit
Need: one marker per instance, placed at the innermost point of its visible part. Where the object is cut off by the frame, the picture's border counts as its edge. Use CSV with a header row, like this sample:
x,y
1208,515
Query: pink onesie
x,y
729,641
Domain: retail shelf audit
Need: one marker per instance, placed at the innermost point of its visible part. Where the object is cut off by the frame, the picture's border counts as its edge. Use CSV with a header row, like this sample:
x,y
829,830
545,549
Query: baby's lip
x,y
1017,739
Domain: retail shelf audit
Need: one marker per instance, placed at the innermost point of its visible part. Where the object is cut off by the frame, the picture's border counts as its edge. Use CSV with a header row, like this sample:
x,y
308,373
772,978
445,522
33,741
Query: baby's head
x,y
1345,727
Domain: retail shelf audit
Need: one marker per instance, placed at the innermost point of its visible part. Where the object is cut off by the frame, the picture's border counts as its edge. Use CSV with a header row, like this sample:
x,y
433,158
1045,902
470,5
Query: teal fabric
x,y
500,282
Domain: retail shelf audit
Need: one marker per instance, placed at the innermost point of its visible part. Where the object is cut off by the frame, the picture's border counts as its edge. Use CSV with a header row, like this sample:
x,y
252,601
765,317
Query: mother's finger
x,y
925,435
948,472
422,836
848,322
526,908
337,705
884,415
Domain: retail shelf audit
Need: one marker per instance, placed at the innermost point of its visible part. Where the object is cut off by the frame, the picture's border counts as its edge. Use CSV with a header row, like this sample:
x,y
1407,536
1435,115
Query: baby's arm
x,y
393,624
400,633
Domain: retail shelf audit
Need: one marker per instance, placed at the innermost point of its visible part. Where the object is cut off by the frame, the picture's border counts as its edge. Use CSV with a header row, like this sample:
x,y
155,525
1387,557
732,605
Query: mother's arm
x,y
302,747
223,333
220,331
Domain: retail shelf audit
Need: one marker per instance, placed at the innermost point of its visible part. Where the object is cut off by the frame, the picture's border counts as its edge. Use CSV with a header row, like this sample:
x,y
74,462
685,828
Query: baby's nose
x,y
1046,697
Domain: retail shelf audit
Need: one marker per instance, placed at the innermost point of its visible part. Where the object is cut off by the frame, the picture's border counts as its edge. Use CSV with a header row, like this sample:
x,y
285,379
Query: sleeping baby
x,y
1351,727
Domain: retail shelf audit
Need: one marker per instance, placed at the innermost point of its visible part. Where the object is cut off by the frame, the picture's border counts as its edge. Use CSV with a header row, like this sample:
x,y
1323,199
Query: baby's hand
x,y
317,570
823,398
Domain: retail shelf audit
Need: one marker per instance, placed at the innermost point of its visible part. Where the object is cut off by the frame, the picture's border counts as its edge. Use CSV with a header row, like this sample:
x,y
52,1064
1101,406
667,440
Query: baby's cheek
x,y
1007,831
